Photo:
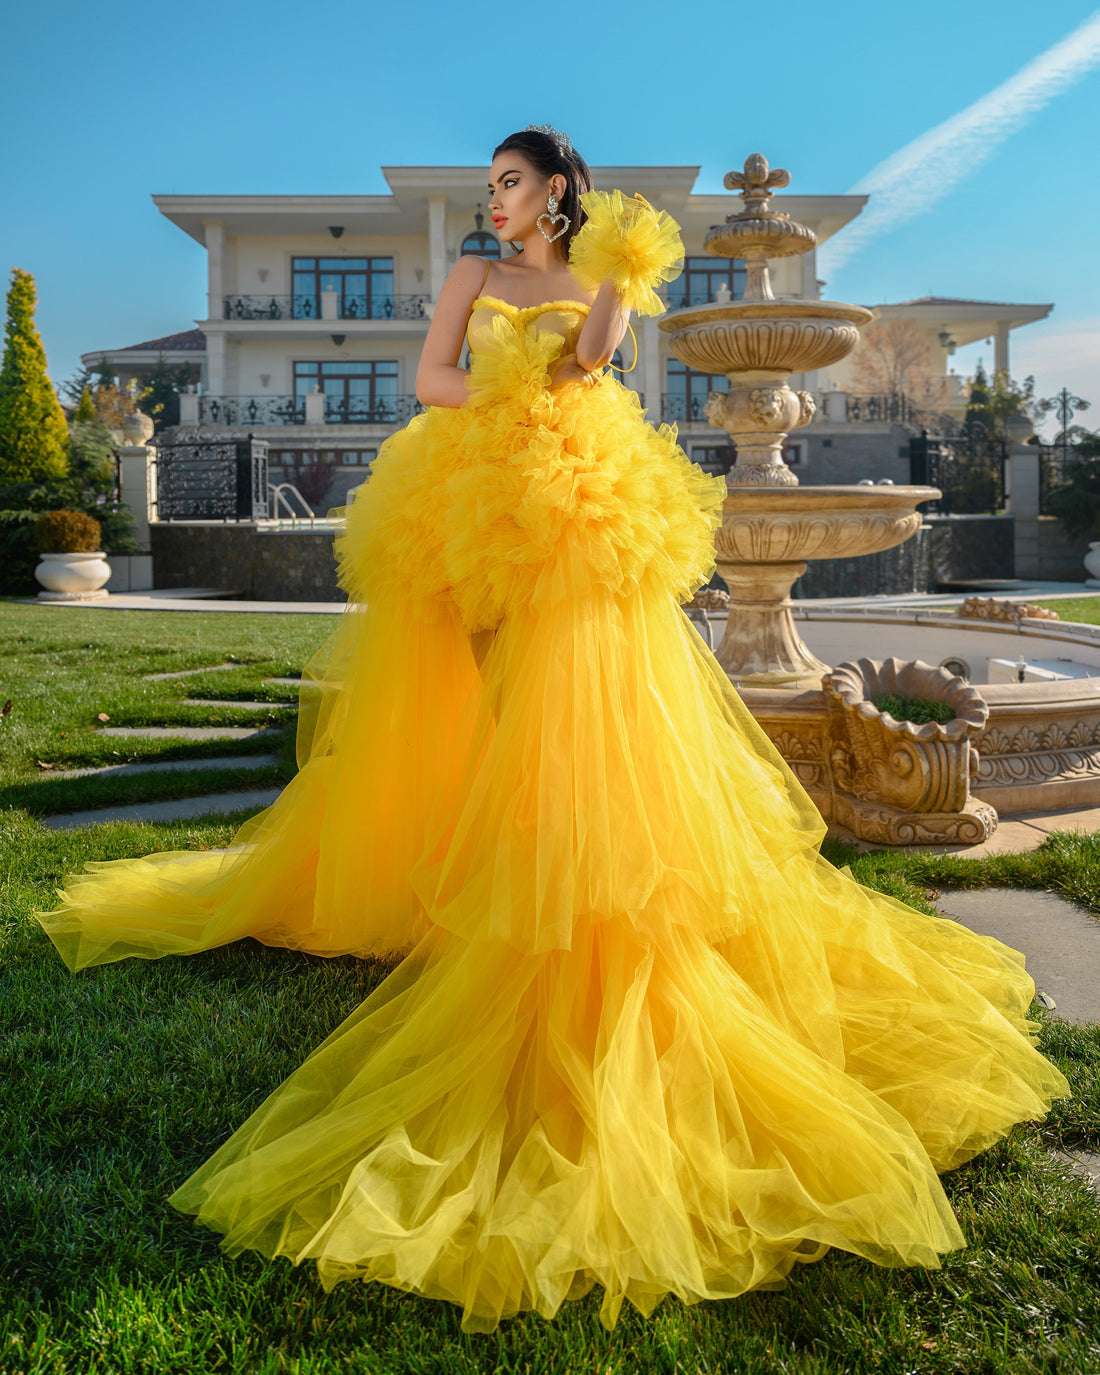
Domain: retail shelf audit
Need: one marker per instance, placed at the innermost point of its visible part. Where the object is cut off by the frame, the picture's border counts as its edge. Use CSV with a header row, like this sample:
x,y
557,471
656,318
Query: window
x,y
481,244
352,458
688,390
793,454
363,287
354,392
714,458
699,282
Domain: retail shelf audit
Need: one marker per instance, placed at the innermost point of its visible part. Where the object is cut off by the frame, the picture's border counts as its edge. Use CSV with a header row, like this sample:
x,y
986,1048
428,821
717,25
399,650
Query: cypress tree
x,y
34,439
85,413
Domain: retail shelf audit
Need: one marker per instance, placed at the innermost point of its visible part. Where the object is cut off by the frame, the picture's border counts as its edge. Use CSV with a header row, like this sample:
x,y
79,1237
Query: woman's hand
x,y
567,369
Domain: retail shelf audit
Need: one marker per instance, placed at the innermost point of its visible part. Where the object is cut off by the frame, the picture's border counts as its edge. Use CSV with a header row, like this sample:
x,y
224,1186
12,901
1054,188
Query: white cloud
x,y
1066,357
912,180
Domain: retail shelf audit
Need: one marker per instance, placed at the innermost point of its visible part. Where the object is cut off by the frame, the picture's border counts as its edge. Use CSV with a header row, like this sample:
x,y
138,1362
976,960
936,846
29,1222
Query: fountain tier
x,y
766,537
770,526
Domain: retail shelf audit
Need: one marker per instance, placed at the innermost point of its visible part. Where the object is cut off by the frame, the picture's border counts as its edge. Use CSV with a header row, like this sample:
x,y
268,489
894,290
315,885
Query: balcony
x,y
683,408
315,409
326,306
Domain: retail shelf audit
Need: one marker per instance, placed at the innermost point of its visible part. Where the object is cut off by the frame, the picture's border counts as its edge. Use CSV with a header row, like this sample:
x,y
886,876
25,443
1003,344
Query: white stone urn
x,y
137,428
73,577
1092,564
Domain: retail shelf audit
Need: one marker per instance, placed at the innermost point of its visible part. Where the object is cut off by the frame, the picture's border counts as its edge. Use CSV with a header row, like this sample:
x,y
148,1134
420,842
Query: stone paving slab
x,y
1059,941
186,732
230,761
1083,1163
183,600
229,702
285,682
188,672
178,809
1087,819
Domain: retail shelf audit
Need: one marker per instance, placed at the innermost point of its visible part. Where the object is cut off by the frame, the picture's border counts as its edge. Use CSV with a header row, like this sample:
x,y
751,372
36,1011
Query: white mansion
x,y
317,307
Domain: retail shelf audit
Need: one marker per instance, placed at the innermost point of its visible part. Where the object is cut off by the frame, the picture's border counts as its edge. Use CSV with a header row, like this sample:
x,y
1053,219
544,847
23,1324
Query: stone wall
x,y
944,549
1061,556
846,454
268,565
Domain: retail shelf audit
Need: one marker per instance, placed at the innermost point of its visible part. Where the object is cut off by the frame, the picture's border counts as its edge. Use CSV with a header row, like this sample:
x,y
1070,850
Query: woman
x,y
644,1036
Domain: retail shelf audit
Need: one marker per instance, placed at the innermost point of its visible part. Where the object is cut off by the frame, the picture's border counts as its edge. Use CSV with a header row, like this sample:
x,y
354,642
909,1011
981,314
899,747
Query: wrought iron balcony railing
x,y
310,306
689,408
292,410
889,407
252,410
382,410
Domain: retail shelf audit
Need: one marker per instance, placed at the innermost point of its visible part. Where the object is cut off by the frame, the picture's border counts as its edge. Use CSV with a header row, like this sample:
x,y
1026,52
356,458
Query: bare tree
x,y
895,357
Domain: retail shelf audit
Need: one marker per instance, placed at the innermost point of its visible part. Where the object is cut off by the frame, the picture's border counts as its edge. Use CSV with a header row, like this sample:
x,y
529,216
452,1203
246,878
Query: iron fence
x,y
307,306
252,410
1056,464
968,467
378,410
211,479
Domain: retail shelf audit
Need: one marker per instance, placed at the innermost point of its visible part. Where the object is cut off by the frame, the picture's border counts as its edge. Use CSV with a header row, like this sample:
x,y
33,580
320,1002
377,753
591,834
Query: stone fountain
x,y
770,526
886,780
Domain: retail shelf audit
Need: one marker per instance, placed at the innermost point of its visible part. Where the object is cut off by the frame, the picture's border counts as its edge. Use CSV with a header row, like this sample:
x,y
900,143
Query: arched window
x,y
481,244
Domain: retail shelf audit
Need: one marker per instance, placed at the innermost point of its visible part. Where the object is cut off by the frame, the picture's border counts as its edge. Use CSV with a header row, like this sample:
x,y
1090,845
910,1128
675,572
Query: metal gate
x,y
968,468
212,479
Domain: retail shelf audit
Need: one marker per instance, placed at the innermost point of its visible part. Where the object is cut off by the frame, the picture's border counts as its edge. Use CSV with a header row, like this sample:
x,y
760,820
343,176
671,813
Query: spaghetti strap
x,y
484,276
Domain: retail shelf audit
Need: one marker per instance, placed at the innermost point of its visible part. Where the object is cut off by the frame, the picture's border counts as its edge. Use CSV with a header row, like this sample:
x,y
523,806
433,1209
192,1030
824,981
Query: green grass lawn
x,y
1086,609
115,1084
61,667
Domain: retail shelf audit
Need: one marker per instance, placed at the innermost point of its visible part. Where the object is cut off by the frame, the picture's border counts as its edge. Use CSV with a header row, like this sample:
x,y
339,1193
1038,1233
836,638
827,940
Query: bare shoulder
x,y
467,272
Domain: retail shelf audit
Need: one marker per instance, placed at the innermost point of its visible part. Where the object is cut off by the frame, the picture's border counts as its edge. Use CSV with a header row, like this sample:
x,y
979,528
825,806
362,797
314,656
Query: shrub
x,y
68,532
18,552
915,709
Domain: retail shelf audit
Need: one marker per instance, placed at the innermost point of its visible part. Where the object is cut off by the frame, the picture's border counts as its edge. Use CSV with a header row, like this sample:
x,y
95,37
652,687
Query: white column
x,y
1001,352
215,363
809,276
650,366
437,243
1022,500
215,269
137,482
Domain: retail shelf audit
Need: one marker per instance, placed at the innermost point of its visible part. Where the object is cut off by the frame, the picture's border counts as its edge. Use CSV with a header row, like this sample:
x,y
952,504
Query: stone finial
x,y
756,181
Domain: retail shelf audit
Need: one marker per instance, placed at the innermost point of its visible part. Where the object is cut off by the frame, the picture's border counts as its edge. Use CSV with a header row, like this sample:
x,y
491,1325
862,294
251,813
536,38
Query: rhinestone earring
x,y
552,217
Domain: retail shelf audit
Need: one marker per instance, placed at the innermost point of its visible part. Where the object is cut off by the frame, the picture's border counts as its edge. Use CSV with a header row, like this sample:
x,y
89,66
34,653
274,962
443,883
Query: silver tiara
x,y
562,140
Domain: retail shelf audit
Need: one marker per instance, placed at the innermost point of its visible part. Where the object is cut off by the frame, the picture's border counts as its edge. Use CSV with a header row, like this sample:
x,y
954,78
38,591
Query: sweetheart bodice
x,y
563,317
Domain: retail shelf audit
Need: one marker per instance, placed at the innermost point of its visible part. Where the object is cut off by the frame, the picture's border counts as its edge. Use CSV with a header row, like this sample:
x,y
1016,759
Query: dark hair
x,y
548,156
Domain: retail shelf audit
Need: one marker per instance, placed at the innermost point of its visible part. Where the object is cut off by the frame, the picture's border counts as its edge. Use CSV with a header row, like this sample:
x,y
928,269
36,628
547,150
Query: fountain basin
x,y
769,338
767,535
1040,747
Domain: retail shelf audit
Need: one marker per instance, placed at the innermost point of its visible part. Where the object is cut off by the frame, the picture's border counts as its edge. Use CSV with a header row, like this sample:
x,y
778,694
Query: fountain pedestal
x,y
771,526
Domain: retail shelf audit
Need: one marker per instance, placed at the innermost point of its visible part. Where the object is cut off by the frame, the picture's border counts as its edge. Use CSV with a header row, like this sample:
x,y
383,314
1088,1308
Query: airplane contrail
x,y
912,180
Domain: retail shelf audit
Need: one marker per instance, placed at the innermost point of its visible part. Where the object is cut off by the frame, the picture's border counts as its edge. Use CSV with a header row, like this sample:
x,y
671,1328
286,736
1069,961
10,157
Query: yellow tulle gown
x,y
643,1035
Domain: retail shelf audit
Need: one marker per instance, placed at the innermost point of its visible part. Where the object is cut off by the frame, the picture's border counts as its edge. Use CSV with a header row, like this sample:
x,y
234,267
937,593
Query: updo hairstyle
x,y
551,158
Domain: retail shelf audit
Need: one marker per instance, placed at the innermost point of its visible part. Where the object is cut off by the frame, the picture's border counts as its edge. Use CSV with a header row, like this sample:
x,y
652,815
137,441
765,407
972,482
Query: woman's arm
x,y
439,379
604,330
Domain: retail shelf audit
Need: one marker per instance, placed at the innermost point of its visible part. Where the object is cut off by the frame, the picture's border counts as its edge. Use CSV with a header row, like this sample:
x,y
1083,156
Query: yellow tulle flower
x,y
628,243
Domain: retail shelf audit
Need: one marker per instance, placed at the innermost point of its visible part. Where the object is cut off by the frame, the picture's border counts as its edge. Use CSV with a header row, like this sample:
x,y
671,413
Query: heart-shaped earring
x,y
550,214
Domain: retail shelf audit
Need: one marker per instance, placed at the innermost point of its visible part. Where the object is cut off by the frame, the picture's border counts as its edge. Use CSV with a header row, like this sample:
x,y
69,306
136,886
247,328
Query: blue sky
x,y
106,105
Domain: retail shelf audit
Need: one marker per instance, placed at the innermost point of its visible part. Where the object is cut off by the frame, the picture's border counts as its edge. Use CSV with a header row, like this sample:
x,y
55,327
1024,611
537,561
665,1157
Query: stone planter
x,y
73,577
1092,564
895,782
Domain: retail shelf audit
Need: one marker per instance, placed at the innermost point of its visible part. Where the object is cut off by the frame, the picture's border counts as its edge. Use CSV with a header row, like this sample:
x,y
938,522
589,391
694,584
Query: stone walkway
x,y
177,809
1059,941
227,761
